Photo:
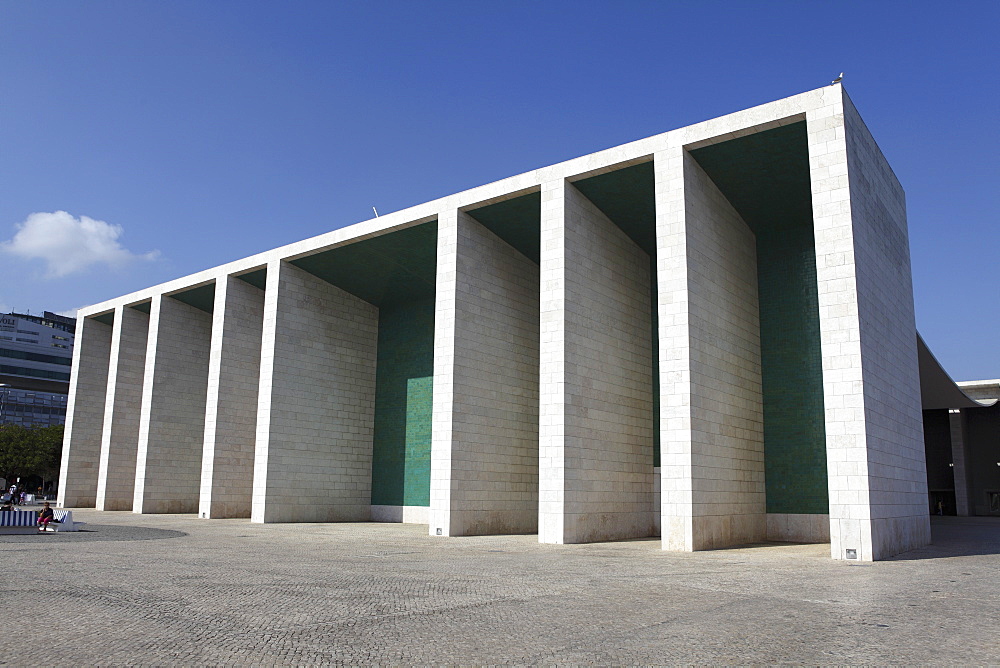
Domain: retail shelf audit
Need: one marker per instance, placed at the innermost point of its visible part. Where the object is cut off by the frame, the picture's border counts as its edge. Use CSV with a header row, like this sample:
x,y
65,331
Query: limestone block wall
x,y
445,315
676,475
172,420
120,440
727,437
485,453
847,450
315,416
596,430
896,464
88,384
231,404
656,500
877,483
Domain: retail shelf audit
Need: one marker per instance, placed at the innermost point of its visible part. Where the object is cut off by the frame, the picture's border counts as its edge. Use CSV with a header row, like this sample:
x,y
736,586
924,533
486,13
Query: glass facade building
x,y
36,354
30,408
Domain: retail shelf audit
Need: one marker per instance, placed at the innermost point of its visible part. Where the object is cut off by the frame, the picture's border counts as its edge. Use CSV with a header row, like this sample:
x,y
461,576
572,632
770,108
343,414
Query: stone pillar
x,y
676,489
712,441
960,471
231,414
484,457
88,387
877,477
595,401
316,409
120,441
172,421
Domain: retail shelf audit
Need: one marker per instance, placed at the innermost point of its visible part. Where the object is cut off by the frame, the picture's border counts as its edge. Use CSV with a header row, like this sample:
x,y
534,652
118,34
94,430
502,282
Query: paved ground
x,y
168,589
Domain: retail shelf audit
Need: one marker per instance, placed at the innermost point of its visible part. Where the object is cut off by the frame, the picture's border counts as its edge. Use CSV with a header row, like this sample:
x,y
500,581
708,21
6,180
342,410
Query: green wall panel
x,y
202,297
792,372
765,176
398,267
257,278
401,457
517,221
108,318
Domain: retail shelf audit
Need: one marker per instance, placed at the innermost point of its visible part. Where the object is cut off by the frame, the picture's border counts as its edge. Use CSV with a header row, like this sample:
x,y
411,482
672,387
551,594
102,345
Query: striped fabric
x,y
18,518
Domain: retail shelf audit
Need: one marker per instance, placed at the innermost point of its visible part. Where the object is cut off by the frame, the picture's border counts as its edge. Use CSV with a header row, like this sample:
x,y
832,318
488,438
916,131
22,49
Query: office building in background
x,y
36,355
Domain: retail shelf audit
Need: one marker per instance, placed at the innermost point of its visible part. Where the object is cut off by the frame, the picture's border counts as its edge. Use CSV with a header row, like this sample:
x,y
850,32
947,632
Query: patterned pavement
x,y
176,590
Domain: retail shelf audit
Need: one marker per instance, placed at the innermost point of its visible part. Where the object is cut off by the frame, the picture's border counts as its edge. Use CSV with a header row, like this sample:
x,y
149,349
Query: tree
x,y
27,451
48,449
14,449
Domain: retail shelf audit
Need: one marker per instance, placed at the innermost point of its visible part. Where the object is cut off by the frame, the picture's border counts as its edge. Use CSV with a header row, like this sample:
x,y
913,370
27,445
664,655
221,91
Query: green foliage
x,y
27,451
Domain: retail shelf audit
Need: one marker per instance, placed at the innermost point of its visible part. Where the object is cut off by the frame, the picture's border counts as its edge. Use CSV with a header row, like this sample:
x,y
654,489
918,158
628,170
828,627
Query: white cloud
x,y
69,245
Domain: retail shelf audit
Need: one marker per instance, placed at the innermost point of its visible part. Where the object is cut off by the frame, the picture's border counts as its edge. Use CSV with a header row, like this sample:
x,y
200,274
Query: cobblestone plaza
x,y
176,590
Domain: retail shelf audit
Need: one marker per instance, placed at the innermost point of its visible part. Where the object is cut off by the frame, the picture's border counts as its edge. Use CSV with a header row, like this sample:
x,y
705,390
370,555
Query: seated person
x,y
7,505
45,517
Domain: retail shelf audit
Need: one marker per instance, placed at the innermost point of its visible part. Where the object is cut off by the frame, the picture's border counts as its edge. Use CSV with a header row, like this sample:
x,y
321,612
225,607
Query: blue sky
x,y
180,135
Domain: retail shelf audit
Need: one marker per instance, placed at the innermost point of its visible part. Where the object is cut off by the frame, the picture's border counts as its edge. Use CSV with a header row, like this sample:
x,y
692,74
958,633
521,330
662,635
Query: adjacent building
x,y
36,353
706,335
963,452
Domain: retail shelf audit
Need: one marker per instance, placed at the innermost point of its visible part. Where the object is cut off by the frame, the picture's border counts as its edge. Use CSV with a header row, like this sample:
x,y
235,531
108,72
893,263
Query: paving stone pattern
x,y
170,589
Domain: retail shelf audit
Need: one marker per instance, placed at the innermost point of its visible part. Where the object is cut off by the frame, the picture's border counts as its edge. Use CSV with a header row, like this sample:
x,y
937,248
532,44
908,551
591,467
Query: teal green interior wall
x,y
518,221
792,372
202,297
257,278
396,267
401,458
106,318
765,176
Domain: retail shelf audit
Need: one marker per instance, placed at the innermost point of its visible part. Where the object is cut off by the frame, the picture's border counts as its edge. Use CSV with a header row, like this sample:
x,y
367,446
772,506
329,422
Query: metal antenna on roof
x,y
376,211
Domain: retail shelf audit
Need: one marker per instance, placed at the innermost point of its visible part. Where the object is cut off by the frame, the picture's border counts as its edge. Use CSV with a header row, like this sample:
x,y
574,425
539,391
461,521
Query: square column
x,y
316,408
120,441
88,387
231,414
596,418
960,469
172,420
712,441
676,481
484,456
877,477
